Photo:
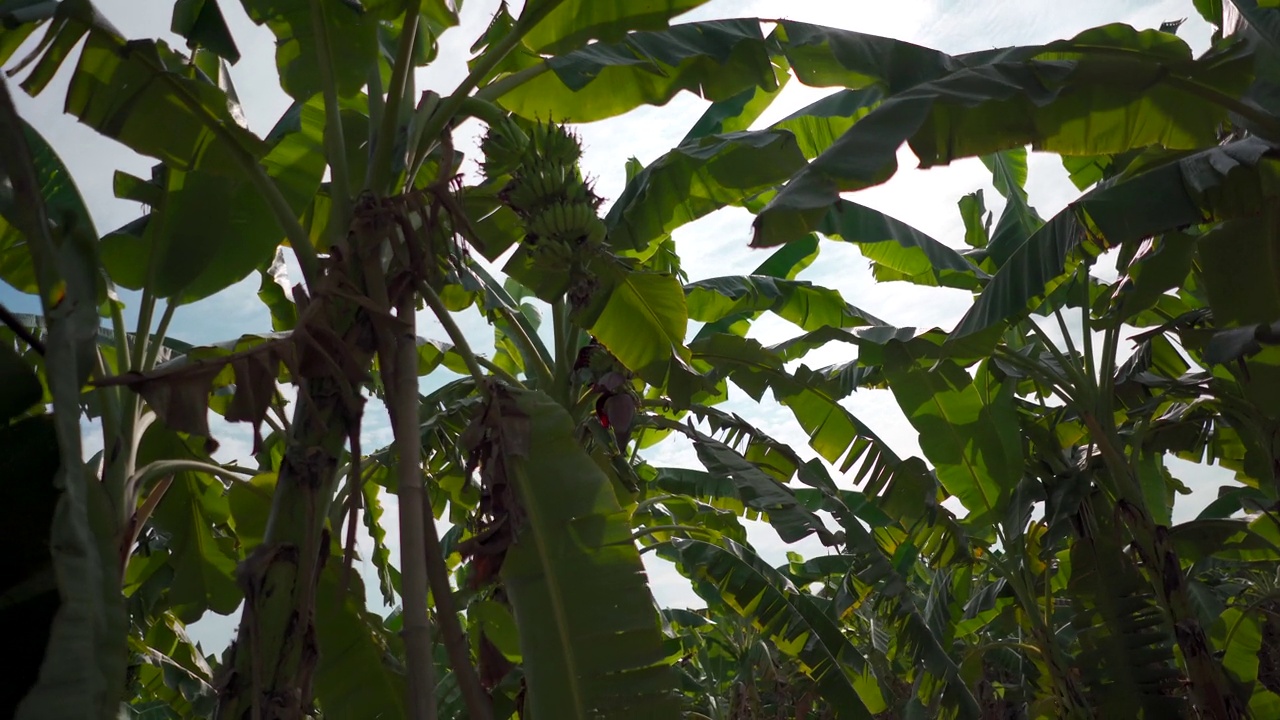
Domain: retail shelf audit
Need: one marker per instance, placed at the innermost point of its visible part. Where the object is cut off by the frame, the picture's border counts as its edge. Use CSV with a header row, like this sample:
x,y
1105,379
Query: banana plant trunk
x,y
398,357
1210,690
269,667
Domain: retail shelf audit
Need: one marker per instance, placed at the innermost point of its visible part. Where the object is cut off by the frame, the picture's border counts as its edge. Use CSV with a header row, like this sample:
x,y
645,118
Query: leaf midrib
x,y
535,514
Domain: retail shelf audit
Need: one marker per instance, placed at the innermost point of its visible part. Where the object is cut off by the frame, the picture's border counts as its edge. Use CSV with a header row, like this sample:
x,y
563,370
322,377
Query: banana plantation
x,y
443,260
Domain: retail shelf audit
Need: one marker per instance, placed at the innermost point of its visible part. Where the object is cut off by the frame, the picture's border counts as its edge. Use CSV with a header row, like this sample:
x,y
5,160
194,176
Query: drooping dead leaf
x,y
180,399
255,387
178,391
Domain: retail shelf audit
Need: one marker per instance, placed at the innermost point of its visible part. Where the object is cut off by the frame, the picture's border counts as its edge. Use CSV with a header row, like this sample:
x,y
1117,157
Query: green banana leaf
x,y
718,60
1019,220
207,231
642,320
649,208
835,433
1222,182
589,630
697,178
795,623
976,218
877,575
202,24
737,113
195,515
61,197
786,263
968,427
645,212
826,57
718,491
574,23
1146,81
147,97
1126,652
707,519
1242,635
136,92
82,669
804,304
171,671
899,251
753,490
351,35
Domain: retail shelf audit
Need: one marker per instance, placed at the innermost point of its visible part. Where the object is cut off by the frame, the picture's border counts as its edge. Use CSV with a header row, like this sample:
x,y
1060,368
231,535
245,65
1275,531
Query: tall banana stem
x,y
455,641
334,141
398,357
379,176
1210,690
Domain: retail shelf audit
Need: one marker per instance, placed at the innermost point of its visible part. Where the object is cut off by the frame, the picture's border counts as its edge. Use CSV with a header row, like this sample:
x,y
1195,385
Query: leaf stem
x,y
21,330
131,406
493,367
650,502
1066,333
142,332
1107,372
541,369
460,344
121,339
564,363
168,467
455,641
1038,373
1071,374
378,178
113,475
507,83
654,529
334,138
157,342
1090,364
126,412
485,65
140,518
398,358
377,110
427,104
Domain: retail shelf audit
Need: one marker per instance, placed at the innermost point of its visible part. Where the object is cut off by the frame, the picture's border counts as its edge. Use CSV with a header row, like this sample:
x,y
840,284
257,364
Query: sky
x,y
713,246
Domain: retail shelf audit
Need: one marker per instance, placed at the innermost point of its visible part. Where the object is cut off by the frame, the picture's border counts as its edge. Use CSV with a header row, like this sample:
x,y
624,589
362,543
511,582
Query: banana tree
x,y
343,312
967,424
533,451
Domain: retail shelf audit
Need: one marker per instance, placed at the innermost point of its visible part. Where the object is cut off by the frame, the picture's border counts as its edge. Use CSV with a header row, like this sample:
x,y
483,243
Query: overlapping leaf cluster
x,y
1030,564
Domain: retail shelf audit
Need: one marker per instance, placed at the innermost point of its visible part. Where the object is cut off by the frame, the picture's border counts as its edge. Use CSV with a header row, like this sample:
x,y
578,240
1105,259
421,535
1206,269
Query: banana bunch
x,y
546,188
567,224
504,148
552,183
552,144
